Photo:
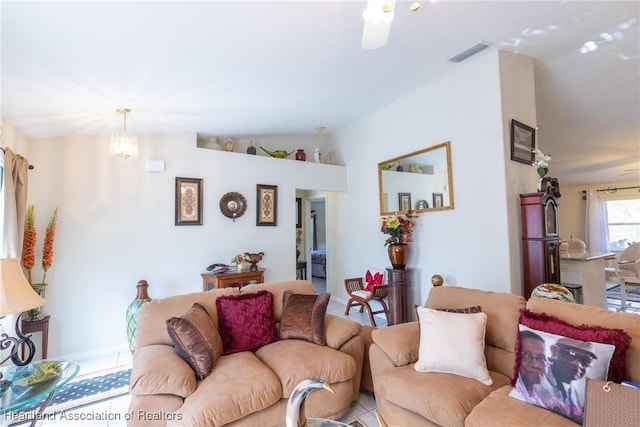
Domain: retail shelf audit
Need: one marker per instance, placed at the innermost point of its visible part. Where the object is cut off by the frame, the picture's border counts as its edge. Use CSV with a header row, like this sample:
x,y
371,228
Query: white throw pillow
x,y
453,343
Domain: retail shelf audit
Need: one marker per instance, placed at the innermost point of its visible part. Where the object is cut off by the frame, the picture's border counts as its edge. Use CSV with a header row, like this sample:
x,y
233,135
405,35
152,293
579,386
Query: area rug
x,y
83,390
632,291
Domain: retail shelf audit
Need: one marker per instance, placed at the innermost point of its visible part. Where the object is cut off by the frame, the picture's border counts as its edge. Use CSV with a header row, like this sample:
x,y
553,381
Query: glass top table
x,y
15,396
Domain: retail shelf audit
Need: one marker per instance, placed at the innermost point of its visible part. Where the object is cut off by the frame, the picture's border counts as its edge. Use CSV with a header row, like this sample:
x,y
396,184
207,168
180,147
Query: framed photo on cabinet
x,y
188,201
523,142
266,205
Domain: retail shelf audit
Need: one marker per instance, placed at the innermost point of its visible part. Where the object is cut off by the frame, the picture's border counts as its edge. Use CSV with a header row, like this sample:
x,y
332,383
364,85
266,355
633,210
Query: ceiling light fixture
x,y
123,144
377,23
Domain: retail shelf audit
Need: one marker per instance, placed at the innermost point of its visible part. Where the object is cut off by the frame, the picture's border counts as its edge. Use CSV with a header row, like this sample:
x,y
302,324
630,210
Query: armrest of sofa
x,y
157,369
399,342
338,331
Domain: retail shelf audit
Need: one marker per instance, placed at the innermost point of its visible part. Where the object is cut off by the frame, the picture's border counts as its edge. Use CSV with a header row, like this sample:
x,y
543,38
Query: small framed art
x,y
188,201
404,201
266,205
523,142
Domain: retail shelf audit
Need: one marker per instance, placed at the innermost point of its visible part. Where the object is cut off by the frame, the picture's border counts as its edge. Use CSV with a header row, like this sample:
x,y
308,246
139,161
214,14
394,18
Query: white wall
x,y
116,225
471,245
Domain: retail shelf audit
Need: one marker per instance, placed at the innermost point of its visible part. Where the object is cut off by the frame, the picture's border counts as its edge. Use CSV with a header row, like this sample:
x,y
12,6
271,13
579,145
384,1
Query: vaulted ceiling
x,y
275,67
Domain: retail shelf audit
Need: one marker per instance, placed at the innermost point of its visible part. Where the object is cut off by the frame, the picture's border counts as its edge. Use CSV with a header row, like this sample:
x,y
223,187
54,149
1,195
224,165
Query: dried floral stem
x,y
29,242
47,250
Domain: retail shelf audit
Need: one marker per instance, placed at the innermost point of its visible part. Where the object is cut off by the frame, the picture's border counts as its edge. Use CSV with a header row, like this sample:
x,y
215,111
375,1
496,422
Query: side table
x,y
231,279
41,325
397,281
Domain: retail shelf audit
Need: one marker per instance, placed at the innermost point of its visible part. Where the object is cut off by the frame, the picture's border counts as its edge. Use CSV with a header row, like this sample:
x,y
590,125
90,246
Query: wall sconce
x,y
123,144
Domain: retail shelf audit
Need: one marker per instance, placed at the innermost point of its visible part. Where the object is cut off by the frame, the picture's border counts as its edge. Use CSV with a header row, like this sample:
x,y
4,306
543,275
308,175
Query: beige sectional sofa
x,y
408,398
247,388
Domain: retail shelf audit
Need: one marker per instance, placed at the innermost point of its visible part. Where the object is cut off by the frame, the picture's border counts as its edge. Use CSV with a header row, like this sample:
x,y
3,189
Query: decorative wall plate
x,y
233,205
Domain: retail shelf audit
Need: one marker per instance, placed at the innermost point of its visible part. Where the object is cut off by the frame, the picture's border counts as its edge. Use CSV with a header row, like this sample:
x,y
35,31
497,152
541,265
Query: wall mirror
x,y
421,181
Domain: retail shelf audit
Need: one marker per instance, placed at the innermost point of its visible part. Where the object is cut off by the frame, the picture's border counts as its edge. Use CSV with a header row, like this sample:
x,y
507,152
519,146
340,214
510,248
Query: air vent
x,y
478,47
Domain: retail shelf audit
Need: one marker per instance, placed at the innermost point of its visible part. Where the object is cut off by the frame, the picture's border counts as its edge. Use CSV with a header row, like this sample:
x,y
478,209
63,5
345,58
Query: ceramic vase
x,y
542,172
397,253
241,266
317,156
229,145
35,314
301,155
131,315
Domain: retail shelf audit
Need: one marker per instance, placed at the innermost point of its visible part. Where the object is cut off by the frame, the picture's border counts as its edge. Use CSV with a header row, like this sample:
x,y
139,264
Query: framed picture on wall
x,y
404,201
523,142
188,201
298,212
266,205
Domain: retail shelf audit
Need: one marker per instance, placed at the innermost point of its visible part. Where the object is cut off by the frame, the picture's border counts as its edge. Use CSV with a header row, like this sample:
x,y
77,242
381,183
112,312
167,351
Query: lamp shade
x,y
16,294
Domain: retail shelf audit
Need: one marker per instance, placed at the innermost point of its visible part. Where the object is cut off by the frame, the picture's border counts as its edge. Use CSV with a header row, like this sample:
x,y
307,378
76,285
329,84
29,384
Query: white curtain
x,y
13,201
597,223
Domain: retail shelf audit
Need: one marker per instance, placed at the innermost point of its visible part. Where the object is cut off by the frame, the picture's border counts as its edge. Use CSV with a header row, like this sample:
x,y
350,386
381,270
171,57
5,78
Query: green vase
x,y
131,315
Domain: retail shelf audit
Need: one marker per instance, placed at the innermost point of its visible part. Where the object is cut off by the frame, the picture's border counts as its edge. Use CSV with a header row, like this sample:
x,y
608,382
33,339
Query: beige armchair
x,y
628,270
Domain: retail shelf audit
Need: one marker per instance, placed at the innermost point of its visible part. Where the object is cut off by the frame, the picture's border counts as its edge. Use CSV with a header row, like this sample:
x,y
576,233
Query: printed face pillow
x,y
554,368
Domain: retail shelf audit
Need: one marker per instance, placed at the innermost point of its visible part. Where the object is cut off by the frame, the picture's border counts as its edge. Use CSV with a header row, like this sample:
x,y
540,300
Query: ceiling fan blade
x,y
377,23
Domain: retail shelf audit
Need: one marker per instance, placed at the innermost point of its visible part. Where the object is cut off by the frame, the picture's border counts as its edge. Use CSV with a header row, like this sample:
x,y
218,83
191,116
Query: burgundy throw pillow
x,y
593,333
196,339
246,321
303,317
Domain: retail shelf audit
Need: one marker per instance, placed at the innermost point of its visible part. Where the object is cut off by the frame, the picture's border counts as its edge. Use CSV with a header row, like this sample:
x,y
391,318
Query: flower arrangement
x,y
240,258
29,243
541,160
398,227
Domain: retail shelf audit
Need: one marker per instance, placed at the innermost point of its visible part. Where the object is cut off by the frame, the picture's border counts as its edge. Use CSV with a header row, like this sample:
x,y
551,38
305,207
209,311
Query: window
x,y
624,223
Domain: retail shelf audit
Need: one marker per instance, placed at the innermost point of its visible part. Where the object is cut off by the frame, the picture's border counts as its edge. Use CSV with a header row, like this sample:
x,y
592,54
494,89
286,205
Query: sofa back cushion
x,y
503,312
152,317
578,314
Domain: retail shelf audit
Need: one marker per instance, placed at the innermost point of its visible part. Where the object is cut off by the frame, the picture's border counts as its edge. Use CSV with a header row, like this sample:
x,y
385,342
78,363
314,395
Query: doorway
x,y
318,243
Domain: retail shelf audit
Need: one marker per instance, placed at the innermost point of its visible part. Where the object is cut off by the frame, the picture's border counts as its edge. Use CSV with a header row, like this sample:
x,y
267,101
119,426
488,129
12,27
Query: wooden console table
x,y
398,281
231,279
41,325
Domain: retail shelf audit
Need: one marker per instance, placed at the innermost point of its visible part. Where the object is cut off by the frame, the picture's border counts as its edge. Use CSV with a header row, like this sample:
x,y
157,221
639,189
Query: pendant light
x,y
123,144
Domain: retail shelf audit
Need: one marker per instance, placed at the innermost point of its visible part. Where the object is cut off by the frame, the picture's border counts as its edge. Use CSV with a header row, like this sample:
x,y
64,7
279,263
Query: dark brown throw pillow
x,y
196,339
303,317
466,310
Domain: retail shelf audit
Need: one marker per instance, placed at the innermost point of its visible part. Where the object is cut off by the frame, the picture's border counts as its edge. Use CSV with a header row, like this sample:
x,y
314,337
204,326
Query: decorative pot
x,y
301,155
229,145
131,315
397,255
251,149
241,266
35,314
542,172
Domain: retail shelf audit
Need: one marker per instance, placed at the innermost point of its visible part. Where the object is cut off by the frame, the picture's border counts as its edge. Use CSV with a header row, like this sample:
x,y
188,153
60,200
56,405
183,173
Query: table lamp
x,y
16,297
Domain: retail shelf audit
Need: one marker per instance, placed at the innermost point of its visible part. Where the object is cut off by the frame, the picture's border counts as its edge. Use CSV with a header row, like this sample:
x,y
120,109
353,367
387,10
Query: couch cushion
x,y
295,360
502,310
617,337
196,339
556,379
303,317
443,399
239,385
172,376
246,321
452,343
498,409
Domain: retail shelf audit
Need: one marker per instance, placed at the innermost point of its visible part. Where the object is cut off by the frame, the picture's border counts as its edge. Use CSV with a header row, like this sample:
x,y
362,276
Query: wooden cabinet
x,y
231,279
540,240
398,280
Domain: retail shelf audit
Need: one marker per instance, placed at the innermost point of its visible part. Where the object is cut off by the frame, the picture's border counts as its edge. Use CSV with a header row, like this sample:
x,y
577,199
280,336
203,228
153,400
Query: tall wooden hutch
x,y
540,239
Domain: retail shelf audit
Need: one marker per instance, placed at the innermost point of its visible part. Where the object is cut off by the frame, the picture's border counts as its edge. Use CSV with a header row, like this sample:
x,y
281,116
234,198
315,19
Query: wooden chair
x,y
628,270
359,296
